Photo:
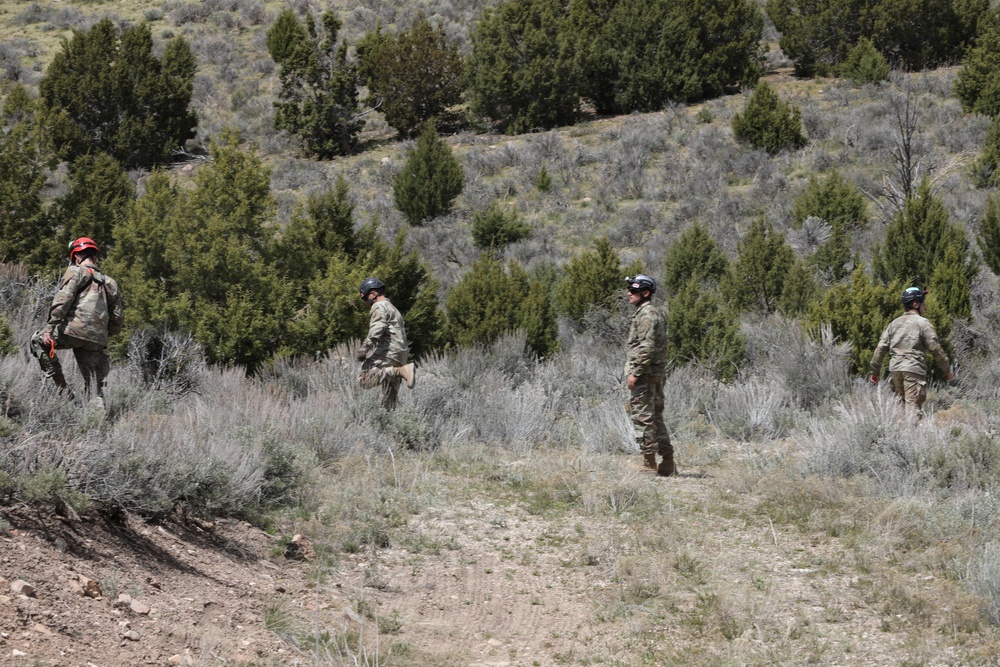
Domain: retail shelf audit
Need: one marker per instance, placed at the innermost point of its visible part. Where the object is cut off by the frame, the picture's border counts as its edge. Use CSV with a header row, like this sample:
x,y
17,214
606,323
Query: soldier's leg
x,y
94,366
663,445
390,389
914,393
898,384
641,404
48,360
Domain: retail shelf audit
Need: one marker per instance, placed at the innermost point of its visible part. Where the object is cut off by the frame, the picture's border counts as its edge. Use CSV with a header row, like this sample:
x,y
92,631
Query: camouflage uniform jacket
x,y
647,342
907,339
86,306
386,333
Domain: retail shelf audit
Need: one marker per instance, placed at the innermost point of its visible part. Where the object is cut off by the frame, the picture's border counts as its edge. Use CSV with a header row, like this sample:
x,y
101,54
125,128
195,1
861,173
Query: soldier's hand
x,y
950,376
631,382
361,354
874,378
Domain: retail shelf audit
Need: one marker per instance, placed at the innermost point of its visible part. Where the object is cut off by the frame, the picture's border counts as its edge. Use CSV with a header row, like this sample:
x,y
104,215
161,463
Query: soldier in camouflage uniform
x,y
907,339
86,310
646,369
384,350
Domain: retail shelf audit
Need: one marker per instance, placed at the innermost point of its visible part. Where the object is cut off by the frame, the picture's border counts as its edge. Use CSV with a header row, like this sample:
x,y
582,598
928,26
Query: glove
x,y
362,353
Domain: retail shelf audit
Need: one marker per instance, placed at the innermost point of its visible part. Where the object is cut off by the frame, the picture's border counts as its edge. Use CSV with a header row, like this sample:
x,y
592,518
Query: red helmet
x,y
81,244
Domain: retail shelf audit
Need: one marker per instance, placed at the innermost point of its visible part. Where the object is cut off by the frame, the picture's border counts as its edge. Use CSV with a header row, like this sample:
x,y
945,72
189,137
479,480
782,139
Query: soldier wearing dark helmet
x,y
86,310
384,350
645,371
907,339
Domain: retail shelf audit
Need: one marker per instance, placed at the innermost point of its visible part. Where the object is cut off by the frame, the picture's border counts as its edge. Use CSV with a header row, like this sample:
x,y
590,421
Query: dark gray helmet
x,y
370,284
913,295
641,282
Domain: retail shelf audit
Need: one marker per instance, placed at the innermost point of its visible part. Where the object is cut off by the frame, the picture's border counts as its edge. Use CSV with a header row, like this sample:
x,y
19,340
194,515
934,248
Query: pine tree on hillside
x,y
857,312
318,101
701,329
592,279
522,73
25,231
412,77
485,303
106,91
989,234
756,279
98,199
694,255
864,64
430,180
916,241
978,84
493,228
833,199
768,123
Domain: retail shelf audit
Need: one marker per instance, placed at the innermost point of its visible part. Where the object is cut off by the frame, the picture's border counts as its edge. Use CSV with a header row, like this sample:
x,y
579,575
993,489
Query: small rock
x,y
124,600
41,629
299,549
4,583
132,635
76,588
18,654
139,607
175,659
154,582
91,588
22,587
280,589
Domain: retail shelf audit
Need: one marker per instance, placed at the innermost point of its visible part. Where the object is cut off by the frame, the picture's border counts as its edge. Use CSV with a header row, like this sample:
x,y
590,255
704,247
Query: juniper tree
x,y
318,101
412,77
430,180
864,64
592,279
756,279
857,312
195,261
324,226
799,290
989,234
985,171
916,240
521,72
493,228
494,299
98,199
768,123
978,84
694,255
646,53
833,199
106,91
25,231
701,329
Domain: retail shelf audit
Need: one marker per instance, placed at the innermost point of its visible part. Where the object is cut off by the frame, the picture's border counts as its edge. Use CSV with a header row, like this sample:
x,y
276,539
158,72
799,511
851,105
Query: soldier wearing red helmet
x,y
86,310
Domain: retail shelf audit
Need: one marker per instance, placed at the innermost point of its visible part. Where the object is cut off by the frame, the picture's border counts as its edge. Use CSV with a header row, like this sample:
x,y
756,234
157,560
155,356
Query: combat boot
x,y
649,459
667,468
408,373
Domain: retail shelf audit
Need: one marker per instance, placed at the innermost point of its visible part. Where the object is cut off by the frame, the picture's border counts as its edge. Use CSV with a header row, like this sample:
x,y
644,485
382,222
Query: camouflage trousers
x,y
911,389
646,410
381,372
90,357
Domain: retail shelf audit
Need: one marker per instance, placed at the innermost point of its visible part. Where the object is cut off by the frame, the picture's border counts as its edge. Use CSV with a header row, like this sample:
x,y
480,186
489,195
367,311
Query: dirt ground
x,y
479,583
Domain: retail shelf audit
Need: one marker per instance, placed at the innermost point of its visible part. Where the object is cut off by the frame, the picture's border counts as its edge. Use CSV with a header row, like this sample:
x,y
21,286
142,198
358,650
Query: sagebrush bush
x,y
752,410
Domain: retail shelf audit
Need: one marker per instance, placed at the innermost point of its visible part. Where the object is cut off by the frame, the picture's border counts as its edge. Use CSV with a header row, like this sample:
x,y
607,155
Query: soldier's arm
x,y
63,299
642,354
879,354
378,325
116,314
933,345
